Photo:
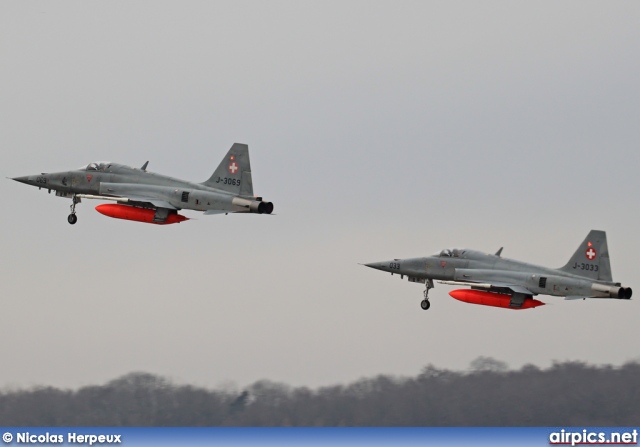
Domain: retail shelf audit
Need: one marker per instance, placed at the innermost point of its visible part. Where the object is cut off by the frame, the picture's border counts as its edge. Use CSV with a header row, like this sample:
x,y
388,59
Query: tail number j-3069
x,y
228,181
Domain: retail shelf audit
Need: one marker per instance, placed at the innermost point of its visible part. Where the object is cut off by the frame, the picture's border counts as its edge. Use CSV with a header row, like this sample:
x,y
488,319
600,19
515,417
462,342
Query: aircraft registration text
x,y
228,181
583,266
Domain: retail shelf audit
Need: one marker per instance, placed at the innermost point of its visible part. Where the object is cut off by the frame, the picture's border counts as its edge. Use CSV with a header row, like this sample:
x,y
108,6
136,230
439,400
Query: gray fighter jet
x,y
499,282
153,198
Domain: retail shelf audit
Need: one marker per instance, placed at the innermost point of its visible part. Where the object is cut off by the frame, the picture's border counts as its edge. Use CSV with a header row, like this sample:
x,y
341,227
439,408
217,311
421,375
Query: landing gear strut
x,y
72,219
425,304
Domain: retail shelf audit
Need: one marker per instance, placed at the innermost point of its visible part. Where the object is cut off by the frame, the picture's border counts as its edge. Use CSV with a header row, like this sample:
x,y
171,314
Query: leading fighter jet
x,y
153,198
499,282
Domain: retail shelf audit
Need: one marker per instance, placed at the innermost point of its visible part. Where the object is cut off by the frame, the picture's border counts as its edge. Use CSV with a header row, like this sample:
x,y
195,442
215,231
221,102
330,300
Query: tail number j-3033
x,y
583,266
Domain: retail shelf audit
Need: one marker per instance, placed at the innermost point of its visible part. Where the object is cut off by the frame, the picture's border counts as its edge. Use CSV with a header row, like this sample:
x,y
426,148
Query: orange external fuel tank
x,y
491,299
138,214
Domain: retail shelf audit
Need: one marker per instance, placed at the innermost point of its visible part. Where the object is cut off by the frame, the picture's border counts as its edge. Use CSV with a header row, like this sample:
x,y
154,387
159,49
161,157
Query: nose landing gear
x,y
425,304
72,218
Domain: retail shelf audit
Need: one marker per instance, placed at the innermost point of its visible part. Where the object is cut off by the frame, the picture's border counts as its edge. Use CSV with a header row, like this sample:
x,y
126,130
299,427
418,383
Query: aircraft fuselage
x,y
511,283
228,190
486,268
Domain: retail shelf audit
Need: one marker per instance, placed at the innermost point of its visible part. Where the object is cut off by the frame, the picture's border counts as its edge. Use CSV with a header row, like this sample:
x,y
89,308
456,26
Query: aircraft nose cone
x,y
24,179
377,265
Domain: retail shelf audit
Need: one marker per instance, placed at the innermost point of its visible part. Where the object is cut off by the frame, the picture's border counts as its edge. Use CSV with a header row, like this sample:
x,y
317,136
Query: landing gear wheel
x,y
425,304
72,219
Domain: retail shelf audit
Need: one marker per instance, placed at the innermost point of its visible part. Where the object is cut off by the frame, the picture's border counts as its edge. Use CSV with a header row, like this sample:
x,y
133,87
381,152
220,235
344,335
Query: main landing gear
x,y
72,219
425,304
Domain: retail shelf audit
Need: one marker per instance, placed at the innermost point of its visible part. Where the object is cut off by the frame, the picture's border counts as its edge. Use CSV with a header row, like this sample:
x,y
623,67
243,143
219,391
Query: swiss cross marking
x,y
233,167
89,177
591,254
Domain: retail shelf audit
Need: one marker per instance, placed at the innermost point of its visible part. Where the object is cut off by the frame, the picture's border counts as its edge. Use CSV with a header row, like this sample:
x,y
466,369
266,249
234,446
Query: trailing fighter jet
x,y
499,282
153,198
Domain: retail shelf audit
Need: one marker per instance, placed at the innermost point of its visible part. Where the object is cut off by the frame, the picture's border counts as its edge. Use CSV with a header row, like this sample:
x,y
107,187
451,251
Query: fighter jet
x,y
153,198
499,282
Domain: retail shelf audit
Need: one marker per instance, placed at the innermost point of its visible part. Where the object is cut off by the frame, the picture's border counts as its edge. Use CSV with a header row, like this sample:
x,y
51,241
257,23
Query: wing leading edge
x,y
493,285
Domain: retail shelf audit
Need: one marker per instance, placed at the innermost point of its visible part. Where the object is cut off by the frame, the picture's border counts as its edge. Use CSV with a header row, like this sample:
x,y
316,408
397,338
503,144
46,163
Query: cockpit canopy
x,y
451,253
98,166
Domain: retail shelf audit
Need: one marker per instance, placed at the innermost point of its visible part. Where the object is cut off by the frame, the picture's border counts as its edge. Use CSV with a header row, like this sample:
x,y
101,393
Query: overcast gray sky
x,y
379,130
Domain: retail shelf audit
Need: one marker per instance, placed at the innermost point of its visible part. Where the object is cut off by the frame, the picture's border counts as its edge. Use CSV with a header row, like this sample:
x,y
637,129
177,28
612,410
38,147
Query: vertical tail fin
x,y
591,259
234,172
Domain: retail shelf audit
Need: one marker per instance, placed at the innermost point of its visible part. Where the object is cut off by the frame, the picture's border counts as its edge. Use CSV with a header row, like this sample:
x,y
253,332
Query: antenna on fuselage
x,y
144,166
499,252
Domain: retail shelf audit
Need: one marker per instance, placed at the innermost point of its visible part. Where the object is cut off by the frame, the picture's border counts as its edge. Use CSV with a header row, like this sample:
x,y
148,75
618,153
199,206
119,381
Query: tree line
x,y
488,394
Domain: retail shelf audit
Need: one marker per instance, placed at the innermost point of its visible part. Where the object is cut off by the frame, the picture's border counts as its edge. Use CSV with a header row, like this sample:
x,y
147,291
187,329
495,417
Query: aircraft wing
x,y
516,288
493,279
138,193
132,199
155,202
513,287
